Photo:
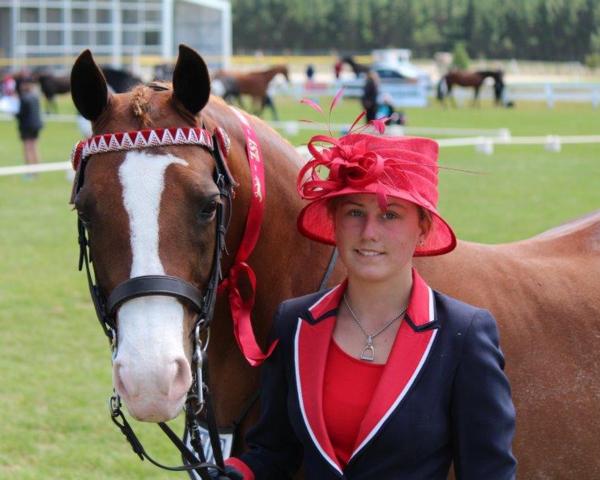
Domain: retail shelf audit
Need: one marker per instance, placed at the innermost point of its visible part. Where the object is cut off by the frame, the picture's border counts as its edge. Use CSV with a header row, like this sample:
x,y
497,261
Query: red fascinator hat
x,y
399,167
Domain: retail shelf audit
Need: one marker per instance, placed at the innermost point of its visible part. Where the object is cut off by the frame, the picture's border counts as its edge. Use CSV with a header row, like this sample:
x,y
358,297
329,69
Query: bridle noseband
x,y
202,302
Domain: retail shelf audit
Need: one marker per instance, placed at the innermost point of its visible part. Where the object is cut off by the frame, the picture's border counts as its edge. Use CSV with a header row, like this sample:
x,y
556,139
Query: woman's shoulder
x,y
454,313
293,309
298,306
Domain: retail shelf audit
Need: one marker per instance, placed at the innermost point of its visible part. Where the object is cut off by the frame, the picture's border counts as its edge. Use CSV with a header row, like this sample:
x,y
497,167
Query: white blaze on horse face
x,y
151,371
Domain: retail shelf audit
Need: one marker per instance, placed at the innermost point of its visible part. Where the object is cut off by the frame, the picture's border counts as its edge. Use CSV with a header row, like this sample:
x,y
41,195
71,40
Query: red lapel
x,y
311,346
406,359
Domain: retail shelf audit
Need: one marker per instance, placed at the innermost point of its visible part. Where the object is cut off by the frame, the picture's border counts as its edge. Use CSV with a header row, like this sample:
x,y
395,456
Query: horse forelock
x,y
140,105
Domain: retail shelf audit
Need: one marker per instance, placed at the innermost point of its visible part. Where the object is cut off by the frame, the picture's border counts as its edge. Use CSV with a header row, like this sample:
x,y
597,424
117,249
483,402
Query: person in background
x,y
310,73
9,101
386,110
337,68
29,120
9,85
370,94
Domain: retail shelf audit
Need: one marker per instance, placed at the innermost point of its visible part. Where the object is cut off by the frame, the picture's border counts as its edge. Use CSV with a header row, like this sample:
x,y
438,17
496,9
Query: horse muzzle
x,y
151,371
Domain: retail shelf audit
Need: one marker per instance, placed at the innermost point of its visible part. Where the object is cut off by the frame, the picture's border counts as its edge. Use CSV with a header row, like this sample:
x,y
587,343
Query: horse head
x,y
498,77
283,70
499,86
149,211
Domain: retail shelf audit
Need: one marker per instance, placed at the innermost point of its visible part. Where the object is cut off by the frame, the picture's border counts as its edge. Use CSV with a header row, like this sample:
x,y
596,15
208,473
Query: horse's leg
x,y
47,104
231,95
268,101
476,96
259,105
450,95
242,105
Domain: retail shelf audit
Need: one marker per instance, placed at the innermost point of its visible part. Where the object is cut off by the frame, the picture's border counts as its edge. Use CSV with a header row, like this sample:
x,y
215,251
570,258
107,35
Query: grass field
x,y
54,360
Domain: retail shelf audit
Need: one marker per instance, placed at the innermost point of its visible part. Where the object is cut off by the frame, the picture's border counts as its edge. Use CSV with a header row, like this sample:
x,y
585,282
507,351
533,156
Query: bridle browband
x,y
202,302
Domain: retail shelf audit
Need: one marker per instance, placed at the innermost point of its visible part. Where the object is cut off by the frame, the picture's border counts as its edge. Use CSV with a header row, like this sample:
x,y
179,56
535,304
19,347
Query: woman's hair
x,y
425,217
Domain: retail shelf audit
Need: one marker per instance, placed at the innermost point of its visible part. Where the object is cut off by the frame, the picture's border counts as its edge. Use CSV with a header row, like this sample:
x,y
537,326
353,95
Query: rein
x,y
203,303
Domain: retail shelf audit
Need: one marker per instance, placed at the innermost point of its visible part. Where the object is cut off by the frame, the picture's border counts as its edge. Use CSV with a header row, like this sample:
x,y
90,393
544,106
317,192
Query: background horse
x,y
149,212
357,68
471,79
51,85
120,80
254,84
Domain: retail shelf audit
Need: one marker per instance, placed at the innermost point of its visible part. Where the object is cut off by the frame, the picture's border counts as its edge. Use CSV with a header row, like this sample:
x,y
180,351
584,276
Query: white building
x,y
117,31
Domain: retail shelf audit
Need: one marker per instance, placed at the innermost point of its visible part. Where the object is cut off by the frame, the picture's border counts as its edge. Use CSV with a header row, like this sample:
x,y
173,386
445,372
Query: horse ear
x,y
88,87
191,81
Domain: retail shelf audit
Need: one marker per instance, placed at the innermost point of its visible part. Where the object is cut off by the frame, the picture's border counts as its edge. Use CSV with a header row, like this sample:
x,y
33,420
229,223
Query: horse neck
x,y
270,74
280,259
279,243
490,73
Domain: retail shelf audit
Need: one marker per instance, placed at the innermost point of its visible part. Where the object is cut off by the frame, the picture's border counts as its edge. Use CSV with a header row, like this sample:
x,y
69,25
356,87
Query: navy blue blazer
x,y
443,397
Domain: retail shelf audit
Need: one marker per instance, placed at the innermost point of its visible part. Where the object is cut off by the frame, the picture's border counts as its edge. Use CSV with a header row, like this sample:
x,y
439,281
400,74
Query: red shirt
x,y
348,387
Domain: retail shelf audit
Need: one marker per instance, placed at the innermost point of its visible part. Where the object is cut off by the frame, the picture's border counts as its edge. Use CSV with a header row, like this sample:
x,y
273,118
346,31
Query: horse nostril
x,y
119,383
182,379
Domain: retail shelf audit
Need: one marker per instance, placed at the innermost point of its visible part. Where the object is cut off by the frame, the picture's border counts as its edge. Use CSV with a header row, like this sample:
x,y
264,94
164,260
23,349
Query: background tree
x,y
526,29
460,57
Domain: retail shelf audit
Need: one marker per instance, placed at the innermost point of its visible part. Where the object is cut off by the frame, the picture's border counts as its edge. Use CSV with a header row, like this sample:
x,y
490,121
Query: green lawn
x,y
54,360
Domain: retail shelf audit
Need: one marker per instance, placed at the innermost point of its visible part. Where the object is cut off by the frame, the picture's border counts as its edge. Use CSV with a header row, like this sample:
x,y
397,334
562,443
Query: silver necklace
x,y
368,352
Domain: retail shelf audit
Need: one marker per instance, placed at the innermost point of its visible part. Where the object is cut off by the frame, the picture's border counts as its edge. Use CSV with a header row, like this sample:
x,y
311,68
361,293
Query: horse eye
x,y
208,210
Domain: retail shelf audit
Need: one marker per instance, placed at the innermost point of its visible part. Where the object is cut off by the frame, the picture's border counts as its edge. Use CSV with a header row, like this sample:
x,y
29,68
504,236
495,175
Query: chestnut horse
x,y
149,212
254,84
471,79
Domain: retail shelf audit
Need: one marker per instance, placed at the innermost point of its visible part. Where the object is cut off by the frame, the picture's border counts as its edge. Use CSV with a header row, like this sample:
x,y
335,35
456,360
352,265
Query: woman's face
x,y
375,245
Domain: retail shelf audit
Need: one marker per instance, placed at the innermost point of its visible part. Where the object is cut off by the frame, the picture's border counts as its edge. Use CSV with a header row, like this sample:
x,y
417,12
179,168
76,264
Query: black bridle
x,y
202,302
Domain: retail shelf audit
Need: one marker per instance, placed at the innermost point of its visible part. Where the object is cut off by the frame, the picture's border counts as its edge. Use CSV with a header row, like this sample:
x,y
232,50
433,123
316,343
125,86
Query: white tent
x,y
46,32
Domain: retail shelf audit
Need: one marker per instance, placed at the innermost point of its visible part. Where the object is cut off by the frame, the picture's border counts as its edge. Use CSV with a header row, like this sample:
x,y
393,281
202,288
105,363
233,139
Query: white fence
x,y
292,127
412,95
485,145
550,93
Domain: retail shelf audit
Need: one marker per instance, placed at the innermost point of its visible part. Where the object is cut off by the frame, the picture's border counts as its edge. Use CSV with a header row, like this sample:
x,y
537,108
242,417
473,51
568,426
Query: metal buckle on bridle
x,y
198,359
112,338
114,405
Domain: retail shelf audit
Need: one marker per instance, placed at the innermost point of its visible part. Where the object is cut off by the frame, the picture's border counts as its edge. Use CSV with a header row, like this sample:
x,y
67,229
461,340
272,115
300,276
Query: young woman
x,y
380,377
